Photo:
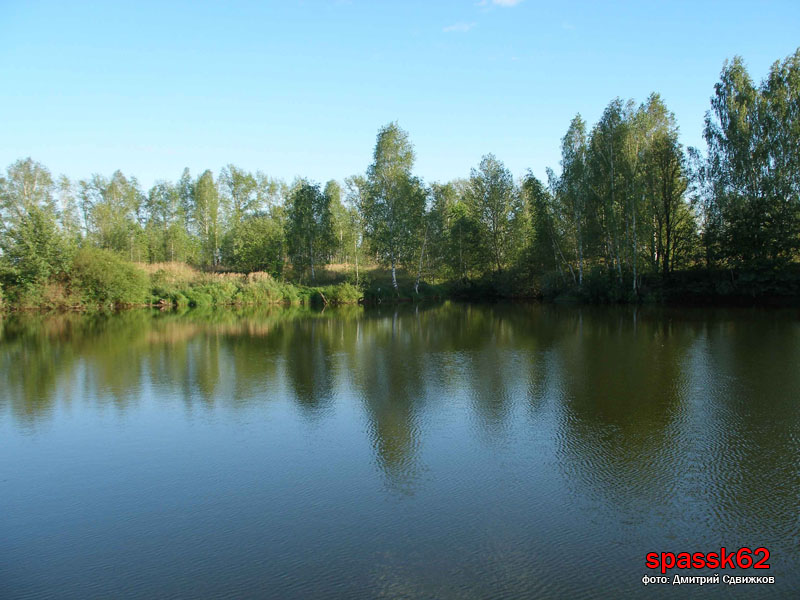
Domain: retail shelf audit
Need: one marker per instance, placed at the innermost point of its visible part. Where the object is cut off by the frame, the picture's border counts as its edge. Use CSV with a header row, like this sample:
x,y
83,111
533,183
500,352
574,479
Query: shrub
x,y
170,282
165,273
255,244
34,249
601,286
55,294
197,299
104,278
180,299
221,290
553,285
344,293
260,288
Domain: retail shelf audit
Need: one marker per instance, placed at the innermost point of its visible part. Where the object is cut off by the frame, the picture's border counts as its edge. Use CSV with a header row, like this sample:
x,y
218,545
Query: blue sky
x,y
301,87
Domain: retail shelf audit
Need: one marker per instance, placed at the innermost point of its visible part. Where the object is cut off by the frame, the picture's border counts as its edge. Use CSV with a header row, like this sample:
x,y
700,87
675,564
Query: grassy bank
x,y
101,280
698,286
98,279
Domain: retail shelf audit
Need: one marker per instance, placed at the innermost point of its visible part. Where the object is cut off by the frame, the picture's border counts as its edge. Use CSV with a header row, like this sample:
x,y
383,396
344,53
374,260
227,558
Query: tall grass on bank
x,y
102,279
177,284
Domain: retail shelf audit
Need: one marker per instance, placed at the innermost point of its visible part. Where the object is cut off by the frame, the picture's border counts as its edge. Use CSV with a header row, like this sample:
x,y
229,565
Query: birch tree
x,y
395,200
206,215
309,227
32,245
495,204
572,186
753,169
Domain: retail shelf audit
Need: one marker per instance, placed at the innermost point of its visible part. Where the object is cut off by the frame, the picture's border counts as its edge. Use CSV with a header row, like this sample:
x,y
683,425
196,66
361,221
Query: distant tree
x,y
268,192
33,247
494,202
114,212
240,191
357,190
260,246
666,182
340,221
753,170
443,197
572,188
67,207
185,189
309,232
467,241
395,200
543,252
427,221
608,187
166,223
205,215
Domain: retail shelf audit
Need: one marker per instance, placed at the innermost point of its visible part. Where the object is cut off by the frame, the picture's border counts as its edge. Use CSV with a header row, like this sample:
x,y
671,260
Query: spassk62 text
x,y
743,558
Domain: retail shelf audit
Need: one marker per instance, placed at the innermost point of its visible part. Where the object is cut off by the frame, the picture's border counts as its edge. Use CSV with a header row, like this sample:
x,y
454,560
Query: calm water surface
x,y
444,452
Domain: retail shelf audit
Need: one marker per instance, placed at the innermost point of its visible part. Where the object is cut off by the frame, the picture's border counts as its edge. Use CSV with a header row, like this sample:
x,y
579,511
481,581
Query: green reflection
x,y
644,400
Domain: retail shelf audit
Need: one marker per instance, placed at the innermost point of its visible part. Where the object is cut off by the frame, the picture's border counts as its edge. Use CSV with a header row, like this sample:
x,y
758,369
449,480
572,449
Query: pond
x,y
447,451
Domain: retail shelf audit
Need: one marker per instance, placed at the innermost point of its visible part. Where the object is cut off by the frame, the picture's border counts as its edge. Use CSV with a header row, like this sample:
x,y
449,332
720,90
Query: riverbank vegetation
x,y
631,216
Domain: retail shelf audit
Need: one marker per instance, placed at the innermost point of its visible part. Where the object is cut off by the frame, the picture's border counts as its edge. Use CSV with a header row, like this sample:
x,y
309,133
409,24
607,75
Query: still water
x,y
453,451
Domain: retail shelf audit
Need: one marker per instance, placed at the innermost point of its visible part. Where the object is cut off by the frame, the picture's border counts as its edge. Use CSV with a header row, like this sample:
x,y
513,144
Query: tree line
x,y
628,205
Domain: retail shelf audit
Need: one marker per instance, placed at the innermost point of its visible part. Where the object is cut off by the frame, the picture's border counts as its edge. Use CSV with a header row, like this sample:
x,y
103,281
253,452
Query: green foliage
x,y
751,178
552,285
106,279
165,233
466,245
112,208
222,289
344,293
567,222
309,227
239,192
630,216
601,287
345,225
255,244
205,213
179,287
33,249
381,290
394,202
494,205
540,255
261,288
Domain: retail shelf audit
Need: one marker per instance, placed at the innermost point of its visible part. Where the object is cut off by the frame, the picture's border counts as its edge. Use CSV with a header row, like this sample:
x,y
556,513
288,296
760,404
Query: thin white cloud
x,y
503,3
459,27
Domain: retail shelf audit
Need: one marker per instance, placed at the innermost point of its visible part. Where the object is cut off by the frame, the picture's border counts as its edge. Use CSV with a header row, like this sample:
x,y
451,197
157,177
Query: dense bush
x,y
261,288
102,277
222,289
344,293
600,286
33,252
255,244
187,287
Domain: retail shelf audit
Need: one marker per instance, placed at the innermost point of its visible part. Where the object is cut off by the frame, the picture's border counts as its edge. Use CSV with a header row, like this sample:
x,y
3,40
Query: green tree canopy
x,y
309,231
33,246
494,203
394,202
